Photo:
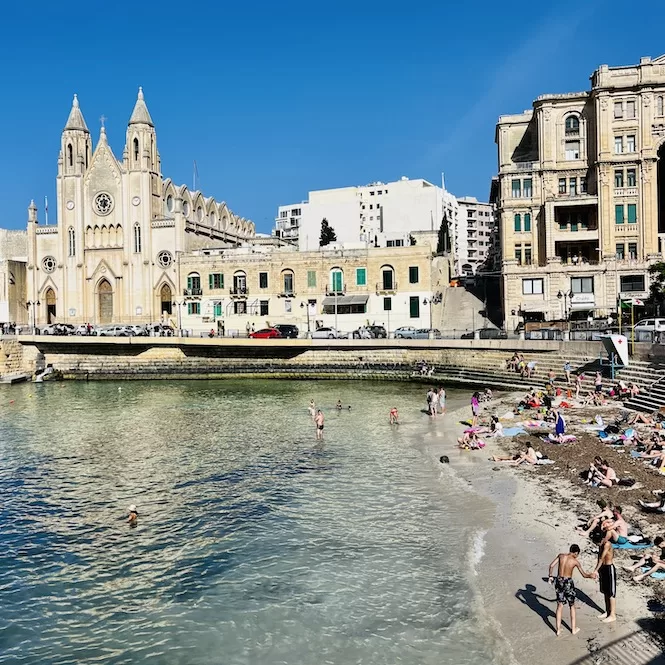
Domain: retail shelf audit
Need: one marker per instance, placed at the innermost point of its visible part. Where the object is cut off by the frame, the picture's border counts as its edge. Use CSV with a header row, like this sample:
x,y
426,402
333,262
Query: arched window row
x,y
104,236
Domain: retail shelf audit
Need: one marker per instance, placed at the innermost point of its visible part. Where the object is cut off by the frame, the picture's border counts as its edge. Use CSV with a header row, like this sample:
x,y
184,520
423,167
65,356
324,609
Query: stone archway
x,y
165,300
51,312
105,302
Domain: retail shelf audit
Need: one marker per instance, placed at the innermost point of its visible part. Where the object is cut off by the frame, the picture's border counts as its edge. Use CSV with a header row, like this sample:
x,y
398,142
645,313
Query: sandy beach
x,y
535,512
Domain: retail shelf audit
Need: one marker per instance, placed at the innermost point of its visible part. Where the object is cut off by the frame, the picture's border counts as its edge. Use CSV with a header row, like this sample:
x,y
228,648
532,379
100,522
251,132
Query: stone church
x,y
114,254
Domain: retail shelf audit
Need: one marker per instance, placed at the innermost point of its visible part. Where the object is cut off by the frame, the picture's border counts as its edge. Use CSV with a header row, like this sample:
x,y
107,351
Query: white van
x,y
650,325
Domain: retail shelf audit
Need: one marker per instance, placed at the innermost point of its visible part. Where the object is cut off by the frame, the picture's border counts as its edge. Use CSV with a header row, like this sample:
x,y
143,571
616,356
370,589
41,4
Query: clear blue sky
x,y
273,99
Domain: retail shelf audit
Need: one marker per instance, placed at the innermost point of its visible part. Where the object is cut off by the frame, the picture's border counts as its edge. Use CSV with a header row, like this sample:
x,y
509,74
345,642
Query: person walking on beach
x,y
564,586
442,399
607,576
475,409
579,379
318,421
567,369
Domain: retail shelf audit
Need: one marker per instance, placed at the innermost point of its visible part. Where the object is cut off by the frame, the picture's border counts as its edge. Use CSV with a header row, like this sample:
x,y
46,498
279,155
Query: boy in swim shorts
x,y
564,586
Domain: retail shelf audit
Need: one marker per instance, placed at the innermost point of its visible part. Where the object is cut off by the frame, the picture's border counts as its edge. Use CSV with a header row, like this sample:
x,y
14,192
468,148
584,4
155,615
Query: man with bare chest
x,y
564,586
607,576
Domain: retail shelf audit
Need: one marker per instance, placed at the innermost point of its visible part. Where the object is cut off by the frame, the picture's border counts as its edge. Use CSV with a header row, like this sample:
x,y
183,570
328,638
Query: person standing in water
x,y
133,517
394,416
312,408
442,399
564,586
318,421
339,405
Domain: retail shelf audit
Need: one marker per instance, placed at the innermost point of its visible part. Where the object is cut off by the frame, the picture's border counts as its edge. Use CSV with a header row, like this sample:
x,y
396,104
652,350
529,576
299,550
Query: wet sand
x,y
527,530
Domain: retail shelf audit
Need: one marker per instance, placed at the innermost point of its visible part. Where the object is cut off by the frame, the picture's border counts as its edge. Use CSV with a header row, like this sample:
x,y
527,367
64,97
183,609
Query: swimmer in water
x,y
318,421
133,515
394,416
339,405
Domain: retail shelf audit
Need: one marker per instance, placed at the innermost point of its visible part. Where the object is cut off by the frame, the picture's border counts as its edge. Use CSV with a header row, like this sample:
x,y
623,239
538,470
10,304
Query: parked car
x,y
159,330
650,325
266,333
328,333
379,332
83,329
58,329
139,331
51,329
362,333
288,330
427,333
114,331
405,332
486,333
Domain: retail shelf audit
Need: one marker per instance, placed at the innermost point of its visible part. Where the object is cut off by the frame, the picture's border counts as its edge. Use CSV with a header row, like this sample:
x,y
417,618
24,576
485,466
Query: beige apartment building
x,y
261,286
581,196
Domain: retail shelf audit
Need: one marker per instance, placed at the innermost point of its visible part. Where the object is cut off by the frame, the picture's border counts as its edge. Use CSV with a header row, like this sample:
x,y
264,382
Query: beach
x,y
536,509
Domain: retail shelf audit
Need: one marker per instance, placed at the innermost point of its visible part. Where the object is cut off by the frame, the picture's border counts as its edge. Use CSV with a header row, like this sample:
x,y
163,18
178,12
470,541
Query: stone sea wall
x,y
145,358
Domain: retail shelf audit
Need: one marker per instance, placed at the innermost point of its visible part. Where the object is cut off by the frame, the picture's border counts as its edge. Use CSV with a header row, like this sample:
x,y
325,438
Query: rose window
x,y
165,259
103,203
48,264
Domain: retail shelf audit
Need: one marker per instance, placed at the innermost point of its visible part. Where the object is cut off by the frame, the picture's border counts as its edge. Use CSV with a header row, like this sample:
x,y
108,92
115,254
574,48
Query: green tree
x,y
443,244
657,288
328,234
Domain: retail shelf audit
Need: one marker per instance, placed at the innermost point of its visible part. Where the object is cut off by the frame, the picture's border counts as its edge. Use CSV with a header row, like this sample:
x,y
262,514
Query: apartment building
x,y
474,234
342,287
581,195
379,214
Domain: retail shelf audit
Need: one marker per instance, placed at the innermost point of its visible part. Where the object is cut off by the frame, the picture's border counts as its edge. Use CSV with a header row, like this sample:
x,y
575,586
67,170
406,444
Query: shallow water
x,y
255,544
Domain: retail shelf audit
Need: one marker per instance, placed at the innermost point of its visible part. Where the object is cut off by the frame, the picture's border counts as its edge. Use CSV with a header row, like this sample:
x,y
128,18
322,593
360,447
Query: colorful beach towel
x,y
513,431
658,575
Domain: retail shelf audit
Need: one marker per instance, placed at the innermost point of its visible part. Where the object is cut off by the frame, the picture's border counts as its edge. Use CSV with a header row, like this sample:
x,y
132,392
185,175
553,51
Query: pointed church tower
x,y
141,145
76,144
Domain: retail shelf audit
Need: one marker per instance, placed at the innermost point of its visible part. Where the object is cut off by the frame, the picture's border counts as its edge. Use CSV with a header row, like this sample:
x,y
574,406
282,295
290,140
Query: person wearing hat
x,y
133,515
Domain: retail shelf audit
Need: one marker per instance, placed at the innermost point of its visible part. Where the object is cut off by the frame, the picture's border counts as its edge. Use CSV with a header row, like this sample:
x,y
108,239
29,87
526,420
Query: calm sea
x,y
255,544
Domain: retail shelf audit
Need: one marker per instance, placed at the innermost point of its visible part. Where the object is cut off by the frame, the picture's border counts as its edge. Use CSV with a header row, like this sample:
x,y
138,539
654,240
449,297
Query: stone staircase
x,y
652,399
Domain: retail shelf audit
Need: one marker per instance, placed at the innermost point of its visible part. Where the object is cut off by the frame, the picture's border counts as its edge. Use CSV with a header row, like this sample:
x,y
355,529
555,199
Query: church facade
x,y
114,254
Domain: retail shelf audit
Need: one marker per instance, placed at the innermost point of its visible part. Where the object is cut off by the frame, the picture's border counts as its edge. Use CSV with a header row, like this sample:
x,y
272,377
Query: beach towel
x,y
513,431
552,438
545,461
658,575
631,546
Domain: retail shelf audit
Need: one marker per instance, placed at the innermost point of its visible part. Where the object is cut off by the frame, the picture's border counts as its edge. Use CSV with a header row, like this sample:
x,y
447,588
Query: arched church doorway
x,y
50,305
166,299
661,189
105,298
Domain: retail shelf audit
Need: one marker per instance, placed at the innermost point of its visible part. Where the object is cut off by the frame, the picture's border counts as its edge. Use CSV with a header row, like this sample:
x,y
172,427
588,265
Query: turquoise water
x,y
255,544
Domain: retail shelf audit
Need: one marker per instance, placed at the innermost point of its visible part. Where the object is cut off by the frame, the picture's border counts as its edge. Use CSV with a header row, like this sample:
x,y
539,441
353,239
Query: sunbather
x,y
604,514
528,457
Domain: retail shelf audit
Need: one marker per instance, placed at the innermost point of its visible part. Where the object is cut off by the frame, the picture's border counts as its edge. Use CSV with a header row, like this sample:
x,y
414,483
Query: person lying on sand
x,y
636,418
527,457
651,557
604,514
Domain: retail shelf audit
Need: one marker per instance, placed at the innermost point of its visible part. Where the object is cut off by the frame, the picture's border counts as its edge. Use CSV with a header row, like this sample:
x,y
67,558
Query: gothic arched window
x,y
137,237
70,155
71,237
136,150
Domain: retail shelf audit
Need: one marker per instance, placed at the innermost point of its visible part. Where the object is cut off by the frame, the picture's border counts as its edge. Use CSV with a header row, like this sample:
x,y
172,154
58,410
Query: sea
x,y
255,543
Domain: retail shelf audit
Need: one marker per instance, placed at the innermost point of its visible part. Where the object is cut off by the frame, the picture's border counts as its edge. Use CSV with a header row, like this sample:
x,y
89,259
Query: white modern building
x,y
474,233
379,214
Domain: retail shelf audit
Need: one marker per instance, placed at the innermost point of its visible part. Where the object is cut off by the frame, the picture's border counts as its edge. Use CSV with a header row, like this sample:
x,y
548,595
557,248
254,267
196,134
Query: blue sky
x,y
273,99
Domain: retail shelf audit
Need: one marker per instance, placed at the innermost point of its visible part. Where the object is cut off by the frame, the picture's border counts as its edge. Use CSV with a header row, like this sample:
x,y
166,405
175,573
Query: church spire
x,y
140,114
75,120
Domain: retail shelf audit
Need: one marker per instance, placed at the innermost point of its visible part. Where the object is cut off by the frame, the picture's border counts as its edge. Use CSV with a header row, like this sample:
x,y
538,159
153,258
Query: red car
x,y
266,333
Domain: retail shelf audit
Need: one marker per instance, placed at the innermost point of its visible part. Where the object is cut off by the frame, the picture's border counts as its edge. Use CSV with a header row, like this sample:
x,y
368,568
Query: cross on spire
x,y
103,119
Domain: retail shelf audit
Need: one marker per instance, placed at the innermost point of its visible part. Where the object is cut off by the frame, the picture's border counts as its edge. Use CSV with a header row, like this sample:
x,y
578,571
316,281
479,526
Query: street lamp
x,y
178,304
567,298
33,304
425,303
302,304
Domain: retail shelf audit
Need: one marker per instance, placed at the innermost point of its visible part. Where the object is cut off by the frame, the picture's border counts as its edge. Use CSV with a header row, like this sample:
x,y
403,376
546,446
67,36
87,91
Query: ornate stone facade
x,y
113,255
581,196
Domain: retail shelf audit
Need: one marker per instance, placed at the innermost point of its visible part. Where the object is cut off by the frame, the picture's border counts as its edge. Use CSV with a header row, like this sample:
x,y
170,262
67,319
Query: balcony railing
x,y
386,288
239,291
192,292
332,291
287,293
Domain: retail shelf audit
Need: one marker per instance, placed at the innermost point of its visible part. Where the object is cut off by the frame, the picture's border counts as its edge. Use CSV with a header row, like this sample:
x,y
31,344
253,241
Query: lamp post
x,y
33,304
425,303
306,306
178,304
567,299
